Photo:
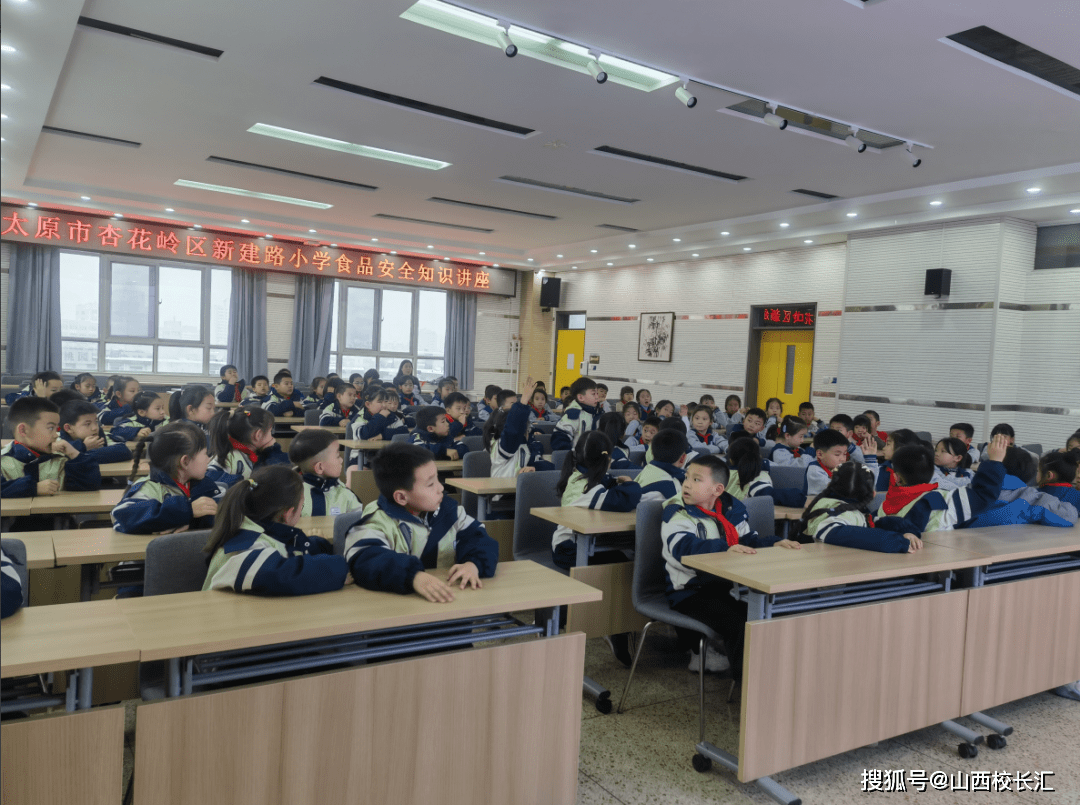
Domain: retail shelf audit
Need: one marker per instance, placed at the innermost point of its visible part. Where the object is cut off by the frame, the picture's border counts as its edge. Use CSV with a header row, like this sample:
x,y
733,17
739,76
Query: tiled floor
x,y
643,755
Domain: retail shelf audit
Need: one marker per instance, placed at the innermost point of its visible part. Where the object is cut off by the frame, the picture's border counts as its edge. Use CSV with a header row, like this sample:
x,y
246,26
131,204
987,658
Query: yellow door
x,y
787,358
569,353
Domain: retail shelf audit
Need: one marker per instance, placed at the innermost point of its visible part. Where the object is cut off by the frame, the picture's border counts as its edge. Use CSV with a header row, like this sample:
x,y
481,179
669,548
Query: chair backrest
x,y
5,426
311,416
175,563
542,425
879,498
474,443
409,410
15,550
476,464
628,473
1033,448
558,457
401,437
362,483
649,577
545,442
762,517
787,477
342,524
729,428
924,435
531,534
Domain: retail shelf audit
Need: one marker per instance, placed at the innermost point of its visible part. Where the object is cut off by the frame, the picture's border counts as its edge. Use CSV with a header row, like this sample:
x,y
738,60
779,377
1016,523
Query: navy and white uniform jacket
x,y
1064,492
951,479
576,419
974,453
660,480
513,451
838,521
366,426
722,420
126,429
760,435
705,442
438,446
457,430
229,392
483,412
620,459
390,545
156,503
112,411
541,414
815,480
12,598
23,468
24,391
108,453
946,509
436,399
606,496
278,405
333,415
326,497
784,456
254,400
411,399
270,558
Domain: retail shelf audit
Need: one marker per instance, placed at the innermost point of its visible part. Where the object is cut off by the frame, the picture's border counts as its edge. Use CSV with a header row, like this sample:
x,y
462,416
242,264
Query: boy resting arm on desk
x,y
412,529
39,463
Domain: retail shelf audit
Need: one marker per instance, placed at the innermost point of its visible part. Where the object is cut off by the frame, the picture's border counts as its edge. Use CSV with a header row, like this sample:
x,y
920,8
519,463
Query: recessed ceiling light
x,y
592,251
676,240
85,198
333,245
118,214
494,265
746,248
3,116
574,267
393,252
7,48
238,191
482,254
1034,190
245,221
269,235
784,226
312,231
169,209
559,256
725,234
648,259
808,241
632,246
695,255
5,86
430,246
349,148
853,215
32,204
611,264
374,240
936,203
198,226
531,260
1076,211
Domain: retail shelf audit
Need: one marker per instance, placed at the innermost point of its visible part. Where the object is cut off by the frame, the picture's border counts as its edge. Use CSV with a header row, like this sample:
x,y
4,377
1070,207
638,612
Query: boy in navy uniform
x,y
36,462
457,411
433,433
284,400
259,391
578,417
231,387
489,404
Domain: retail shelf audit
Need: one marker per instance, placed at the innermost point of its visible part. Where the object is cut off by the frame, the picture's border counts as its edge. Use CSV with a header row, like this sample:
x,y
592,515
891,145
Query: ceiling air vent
x,y
820,126
287,172
815,194
134,33
685,167
996,47
430,223
617,228
488,208
82,135
571,191
425,108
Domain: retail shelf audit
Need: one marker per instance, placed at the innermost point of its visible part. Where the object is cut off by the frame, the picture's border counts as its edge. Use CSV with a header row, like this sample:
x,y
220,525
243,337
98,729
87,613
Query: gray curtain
x,y
33,337
309,355
247,323
461,337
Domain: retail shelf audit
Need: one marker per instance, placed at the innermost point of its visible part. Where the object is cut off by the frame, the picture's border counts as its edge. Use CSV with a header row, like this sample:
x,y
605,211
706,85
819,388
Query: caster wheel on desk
x,y
967,751
701,763
996,741
603,704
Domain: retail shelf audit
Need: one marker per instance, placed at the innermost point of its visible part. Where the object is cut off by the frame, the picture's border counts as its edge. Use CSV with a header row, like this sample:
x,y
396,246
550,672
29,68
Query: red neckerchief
x,y
236,392
900,496
730,534
345,411
32,450
538,412
705,437
185,488
1067,486
243,448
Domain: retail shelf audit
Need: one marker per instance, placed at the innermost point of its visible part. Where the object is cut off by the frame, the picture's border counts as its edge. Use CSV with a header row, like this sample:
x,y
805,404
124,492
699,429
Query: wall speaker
x,y
550,288
938,282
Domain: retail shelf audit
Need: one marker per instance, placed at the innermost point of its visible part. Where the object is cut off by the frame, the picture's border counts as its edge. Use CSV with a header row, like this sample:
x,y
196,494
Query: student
x,y
398,422
952,464
1003,429
506,399
538,403
1019,503
788,450
282,401
358,382
748,475
774,411
1057,475
664,409
611,424
413,529
650,426
193,404
753,423
12,590
175,495
489,404
124,392
80,428
701,438
840,515
333,383
830,451
444,387
457,411
731,415
631,414
901,437
240,438
602,405
578,417
626,395
965,432
433,433
36,462
255,546
845,426
708,401
343,411
372,423
86,384
806,414
875,426
258,392
663,475
644,401
861,428
148,413
1072,443
705,518
923,507
407,396
505,440
564,398
315,393
372,376
317,454
43,384
231,387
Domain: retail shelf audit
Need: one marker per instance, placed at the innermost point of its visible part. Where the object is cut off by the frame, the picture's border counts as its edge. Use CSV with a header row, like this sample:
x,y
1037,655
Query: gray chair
x,y
558,457
647,593
542,425
474,443
1037,449
342,524
311,416
761,515
628,473
532,536
401,437
787,477
476,464
925,436
730,428
15,550
879,498
545,442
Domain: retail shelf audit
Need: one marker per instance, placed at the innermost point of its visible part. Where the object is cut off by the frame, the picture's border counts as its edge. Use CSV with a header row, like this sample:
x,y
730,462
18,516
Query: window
x,y
142,318
378,329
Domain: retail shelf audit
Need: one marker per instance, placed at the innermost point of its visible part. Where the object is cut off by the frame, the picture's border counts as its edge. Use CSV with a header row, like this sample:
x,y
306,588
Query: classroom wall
x,y
5,258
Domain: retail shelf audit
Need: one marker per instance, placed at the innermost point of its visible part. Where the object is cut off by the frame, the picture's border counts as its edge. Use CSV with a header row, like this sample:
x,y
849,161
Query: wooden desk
x,y
787,513
122,469
586,525
484,488
318,526
298,425
220,404
1009,542
17,507
39,546
449,466
77,502
364,444
97,546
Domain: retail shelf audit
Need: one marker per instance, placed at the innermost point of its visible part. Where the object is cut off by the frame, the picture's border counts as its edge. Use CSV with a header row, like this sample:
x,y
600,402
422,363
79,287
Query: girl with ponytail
x,y
240,438
194,403
255,546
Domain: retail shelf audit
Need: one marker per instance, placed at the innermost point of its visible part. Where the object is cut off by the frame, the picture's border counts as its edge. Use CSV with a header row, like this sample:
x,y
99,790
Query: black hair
x,y
601,386
427,416
668,445
772,400
44,377
120,385
770,432
308,444
791,424
226,368
913,464
190,396
536,391
663,403
613,425
66,395
354,377
79,378
167,445
342,388
806,405
257,378
71,412
716,466
1063,465
851,483
637,396
694,410
655,421
902,437
593,453
744,456
626,389
740,435
580,386
401,380
828,439
330,375
315,381
264,496
285,373
27,410
632,405
143,400
109,384
704,397
756,412
1003,428
281,375
455,397
731,397
333,384
672,423
1021,464
444,383
540,384
491,390
493,428
966,428
371,374
395,467
239,424
861,419
401,367
871,412
956,447
843,419
503,396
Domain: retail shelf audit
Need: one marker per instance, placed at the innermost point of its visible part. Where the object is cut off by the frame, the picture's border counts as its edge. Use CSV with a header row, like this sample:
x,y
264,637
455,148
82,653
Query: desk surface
x,y
1005,543
17,507
364,444
77,502
587,521
122,469
779,570
66,636
39,546
317,526
485,486
299,425
181,625
787,513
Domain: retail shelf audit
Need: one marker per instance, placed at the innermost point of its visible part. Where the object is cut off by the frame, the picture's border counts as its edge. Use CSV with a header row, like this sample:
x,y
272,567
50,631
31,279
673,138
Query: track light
x,y
595,70
774,119
852,141
503,38
684,95
914,160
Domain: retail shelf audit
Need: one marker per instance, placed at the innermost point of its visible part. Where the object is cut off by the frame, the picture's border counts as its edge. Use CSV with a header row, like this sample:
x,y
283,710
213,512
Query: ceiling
x,y
992,133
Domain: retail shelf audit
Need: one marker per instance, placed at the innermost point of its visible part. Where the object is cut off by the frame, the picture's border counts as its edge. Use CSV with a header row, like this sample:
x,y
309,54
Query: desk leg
x,y
549,619
755,605
481,507
172,679
89,580
583,545
189,670
86,688
72,685
707,752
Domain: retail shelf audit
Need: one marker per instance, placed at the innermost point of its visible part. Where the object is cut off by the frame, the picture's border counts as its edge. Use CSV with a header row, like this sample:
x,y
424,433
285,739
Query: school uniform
x,y
326,497
311,401
759,486
438,446
409,399
158,503
783,456
23,468
576,420
815,479
483,412
457,430
973,452
923,507
855,453
253,400
607,496
1020,504
721,419
620,460
760,435
238,465
660,480
277,404
366,426
840,522
436,399
707,442
646,411
112,411
334,415
271,558
126,429
541,414
951,479
397,423
11,600
512,451
1065,492
24,391
229,392
109,453
391,545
